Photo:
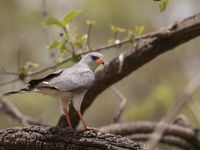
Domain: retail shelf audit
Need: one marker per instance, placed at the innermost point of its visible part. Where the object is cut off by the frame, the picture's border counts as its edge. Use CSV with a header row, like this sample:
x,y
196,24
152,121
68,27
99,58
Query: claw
x,y
89,128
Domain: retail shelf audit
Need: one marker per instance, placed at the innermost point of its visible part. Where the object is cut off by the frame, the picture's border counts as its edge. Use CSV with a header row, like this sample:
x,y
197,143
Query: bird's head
x,y
93,60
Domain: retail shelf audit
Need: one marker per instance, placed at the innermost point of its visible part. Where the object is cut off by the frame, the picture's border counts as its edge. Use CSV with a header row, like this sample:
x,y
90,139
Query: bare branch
x,y
9,81
182,121
88,38
166,139
55,65
4,71
122,99
180,102
19,57
10,109
195,108
79,53
45,15
49,67
179,136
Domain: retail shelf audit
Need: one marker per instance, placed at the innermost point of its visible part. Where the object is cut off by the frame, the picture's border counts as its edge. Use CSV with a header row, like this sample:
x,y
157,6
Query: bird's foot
x,y
89,128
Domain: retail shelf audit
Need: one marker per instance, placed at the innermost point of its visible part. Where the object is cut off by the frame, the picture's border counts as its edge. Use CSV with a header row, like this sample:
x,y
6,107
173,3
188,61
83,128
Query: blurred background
x,y
149,91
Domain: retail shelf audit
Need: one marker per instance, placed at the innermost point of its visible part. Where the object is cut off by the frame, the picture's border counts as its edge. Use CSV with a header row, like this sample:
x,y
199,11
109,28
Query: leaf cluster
x,y
24,69
131,33
70,40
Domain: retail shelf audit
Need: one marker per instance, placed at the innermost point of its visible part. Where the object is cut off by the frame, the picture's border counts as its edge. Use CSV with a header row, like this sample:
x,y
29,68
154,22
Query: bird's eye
x,y
94,57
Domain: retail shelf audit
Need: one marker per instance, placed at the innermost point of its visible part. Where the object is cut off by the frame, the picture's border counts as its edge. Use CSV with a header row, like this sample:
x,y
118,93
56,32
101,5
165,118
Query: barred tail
x,y
21,91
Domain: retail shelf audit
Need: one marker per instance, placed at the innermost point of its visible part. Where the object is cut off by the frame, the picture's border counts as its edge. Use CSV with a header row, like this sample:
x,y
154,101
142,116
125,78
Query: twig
x,y
88,38
19,57
49,67
54,65
184,137
10,109
45,15
182,120
194,106
4,71
80,53
166,139
180,102
10,81
122,99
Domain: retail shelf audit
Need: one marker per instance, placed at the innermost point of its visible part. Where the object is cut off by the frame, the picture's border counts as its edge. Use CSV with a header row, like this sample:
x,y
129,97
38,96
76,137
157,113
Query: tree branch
x,y
122,99
179,136
146,49
40,138
10,109
9,81
180,102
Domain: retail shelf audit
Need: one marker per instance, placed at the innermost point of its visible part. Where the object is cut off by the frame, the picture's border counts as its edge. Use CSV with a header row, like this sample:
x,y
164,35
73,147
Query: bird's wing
x,y
73,79
34,83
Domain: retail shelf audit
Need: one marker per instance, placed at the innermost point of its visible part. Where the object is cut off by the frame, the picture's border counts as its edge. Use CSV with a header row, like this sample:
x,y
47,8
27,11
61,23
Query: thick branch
x,y
40,138
183,137
146,49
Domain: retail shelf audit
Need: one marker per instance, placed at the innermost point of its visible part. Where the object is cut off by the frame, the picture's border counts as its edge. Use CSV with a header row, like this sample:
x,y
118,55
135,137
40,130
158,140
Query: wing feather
x,y
34,83
76,78
73,80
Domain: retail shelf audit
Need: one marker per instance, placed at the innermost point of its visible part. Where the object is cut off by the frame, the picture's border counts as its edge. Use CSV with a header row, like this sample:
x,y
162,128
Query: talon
x,y
89,128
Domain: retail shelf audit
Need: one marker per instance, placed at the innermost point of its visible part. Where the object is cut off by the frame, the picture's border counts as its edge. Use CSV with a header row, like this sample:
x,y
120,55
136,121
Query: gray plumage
x,y
67,84
76,78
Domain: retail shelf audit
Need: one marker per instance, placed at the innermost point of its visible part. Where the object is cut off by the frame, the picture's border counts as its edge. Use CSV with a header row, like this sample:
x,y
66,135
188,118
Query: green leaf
x,y
117,29
163,5
89,22
53,44
76,58
139,30
53,22
59,60
80,40
131,36
111,41
83,39
121,30
67,36
70,16
113,28
77,36
23,70
30,65
62,48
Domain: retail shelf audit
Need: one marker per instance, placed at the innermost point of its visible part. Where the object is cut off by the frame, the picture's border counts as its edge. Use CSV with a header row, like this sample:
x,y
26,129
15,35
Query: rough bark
x,y
145,50
54,138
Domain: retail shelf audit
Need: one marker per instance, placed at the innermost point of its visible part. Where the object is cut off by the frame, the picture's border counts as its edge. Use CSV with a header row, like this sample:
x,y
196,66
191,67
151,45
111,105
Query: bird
x,y
68,85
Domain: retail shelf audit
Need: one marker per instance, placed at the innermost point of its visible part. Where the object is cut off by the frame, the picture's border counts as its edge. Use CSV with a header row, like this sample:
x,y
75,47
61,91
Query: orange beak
x,y
100,61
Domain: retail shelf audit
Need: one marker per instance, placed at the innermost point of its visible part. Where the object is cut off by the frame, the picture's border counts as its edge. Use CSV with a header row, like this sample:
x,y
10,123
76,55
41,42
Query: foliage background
x,y
149,91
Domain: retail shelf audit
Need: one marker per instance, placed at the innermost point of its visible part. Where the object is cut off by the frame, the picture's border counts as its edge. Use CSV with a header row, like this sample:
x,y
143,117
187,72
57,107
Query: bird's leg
x,y
67,117
84,124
